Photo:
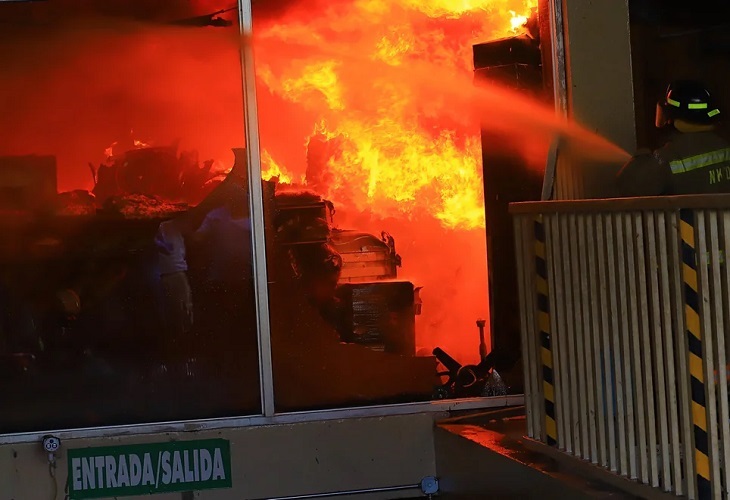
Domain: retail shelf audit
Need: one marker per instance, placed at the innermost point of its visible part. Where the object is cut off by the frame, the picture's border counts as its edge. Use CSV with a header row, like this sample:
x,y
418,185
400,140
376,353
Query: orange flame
x,y
109,152
138,143
220,168
351,101
452,9
271,170
517,21
391,150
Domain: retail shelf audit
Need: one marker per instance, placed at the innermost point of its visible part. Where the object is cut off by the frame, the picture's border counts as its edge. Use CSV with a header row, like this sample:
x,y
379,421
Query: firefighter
x,y
695,160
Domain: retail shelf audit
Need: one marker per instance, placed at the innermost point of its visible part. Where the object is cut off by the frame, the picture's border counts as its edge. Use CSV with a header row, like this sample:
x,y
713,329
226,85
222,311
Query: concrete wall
x,y
690,54
270,461
468,470
600,87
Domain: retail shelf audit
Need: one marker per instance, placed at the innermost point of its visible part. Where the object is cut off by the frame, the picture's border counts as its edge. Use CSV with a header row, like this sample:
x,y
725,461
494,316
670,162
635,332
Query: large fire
x,y
389,156
341,109
390,152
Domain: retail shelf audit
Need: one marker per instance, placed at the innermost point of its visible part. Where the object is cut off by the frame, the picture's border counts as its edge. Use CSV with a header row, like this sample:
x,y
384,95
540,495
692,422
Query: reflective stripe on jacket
x,y
692,163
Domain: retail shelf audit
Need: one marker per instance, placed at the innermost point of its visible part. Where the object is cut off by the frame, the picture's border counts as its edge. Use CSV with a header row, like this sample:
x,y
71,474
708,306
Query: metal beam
x,y
253,149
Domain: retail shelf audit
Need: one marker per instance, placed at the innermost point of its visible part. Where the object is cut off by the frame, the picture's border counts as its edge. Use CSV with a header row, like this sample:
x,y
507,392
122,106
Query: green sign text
x,y
148,469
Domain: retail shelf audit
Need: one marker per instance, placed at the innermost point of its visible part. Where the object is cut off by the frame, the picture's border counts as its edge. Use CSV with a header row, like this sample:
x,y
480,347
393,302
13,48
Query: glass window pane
x,y
377,244
125,264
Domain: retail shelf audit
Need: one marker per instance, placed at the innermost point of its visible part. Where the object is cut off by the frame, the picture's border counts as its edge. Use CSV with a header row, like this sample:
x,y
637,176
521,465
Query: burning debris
x,y
379,142
140,206
386,150
77,203
302,217
142,183
157,171
366,257
360,131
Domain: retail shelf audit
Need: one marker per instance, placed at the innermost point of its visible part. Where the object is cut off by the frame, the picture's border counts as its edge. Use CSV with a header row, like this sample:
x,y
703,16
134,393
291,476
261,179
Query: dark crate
x,y
380,315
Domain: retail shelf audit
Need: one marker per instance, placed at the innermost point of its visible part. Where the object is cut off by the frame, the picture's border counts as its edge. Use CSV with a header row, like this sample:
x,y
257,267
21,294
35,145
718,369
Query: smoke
x,y
74,88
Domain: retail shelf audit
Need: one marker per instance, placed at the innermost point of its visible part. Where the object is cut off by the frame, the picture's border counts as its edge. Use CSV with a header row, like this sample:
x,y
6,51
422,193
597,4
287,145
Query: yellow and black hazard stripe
x,y
694,341
543,322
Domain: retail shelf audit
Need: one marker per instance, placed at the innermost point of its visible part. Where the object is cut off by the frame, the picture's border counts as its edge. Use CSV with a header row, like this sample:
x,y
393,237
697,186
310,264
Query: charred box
x,y
380,315
302,219
365,257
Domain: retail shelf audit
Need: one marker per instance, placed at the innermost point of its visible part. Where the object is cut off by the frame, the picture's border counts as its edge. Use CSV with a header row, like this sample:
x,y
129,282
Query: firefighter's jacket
x,y
691,163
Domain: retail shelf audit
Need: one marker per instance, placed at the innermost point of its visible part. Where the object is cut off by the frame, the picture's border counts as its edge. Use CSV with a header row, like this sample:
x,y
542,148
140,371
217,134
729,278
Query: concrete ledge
x,y
587,469
310,458
488,455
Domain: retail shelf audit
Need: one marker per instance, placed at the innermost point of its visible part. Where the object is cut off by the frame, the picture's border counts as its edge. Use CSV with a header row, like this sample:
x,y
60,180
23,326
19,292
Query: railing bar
x,y
573,420
578,255
533,358
722,295
606,287
708,357
645,358
658,203
680,342
550,245
718,384
565,438
552,236
665,339
529,365
633,356
596,382
625,344
653,271
617,281
588,334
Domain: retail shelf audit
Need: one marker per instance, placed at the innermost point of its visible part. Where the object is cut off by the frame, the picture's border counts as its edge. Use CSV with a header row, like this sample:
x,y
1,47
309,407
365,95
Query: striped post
x,y
694,342
543,322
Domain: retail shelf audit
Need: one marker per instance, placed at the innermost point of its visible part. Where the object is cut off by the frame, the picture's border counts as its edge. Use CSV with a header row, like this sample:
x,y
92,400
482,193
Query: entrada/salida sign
x,y
148,469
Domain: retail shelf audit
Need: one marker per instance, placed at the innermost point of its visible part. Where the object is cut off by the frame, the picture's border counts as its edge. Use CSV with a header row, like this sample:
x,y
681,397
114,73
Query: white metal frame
x,y
253,148
269,415
259,420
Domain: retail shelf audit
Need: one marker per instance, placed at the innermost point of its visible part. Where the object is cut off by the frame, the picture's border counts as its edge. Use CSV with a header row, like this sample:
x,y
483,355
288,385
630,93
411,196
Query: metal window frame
x,y
256,199
230,423
268,415
253,149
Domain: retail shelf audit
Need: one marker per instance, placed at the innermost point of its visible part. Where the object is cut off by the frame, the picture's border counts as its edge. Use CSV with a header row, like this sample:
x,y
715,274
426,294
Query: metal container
x,y
302,218
365,257
380,315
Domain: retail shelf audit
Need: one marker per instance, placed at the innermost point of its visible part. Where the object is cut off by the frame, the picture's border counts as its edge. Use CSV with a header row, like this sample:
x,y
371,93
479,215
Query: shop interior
x,y
126,122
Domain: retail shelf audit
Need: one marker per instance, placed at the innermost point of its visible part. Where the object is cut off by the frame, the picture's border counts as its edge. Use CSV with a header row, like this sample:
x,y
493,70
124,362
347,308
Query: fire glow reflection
x,y
336,115
342,100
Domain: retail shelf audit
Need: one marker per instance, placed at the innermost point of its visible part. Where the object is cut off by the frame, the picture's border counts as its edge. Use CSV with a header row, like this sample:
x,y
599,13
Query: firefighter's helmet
x,y
688,101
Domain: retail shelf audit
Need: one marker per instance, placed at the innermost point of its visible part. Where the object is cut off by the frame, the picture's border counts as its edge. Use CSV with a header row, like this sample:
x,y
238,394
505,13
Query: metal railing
x,y
625,309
